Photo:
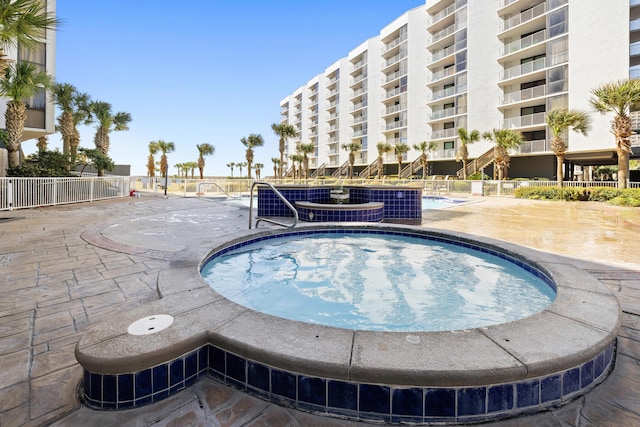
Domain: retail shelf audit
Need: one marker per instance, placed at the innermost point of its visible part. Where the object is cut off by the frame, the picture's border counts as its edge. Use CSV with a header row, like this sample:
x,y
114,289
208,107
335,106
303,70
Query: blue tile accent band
x,y
359,401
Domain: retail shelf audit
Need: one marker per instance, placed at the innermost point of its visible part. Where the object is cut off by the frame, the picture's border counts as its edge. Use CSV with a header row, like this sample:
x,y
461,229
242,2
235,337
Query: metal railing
x,y
21,193
269,220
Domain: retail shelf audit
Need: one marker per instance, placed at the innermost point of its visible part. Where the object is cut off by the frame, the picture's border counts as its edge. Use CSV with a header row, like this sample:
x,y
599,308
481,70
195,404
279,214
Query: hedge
x,y
626,197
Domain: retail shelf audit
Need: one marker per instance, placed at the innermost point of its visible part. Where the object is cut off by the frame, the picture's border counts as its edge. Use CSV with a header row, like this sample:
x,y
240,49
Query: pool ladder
x,y
269,220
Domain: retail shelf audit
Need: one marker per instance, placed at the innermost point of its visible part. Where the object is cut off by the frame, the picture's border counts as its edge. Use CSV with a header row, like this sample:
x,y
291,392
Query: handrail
x,y
219,188
272,221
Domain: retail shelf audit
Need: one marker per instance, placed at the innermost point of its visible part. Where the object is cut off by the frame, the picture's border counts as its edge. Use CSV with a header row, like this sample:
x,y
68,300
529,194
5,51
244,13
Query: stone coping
x,y
580,324
340,206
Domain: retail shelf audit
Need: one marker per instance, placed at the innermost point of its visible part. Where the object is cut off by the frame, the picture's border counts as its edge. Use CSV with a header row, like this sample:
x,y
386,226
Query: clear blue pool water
x,y
377,282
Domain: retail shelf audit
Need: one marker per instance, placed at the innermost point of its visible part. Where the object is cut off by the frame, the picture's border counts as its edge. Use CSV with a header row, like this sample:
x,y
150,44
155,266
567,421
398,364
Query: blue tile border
x,y
341,398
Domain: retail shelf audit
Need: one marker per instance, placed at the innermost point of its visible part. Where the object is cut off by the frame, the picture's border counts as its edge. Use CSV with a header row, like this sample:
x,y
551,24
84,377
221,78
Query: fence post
x,y
91,189
10,194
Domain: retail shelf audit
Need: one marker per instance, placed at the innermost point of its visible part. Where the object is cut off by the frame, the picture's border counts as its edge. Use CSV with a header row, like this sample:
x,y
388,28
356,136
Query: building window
x,y
449,145
558,22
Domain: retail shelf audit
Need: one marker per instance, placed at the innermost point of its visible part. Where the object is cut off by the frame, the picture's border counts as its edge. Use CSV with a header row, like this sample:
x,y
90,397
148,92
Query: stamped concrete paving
x,y
65,268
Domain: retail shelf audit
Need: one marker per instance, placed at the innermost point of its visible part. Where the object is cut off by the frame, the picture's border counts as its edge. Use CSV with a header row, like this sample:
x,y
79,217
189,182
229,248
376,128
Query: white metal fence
x,y
20,193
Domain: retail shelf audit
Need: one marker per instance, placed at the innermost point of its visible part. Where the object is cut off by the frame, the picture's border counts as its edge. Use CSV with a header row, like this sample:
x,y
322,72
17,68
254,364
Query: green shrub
x,y
627,197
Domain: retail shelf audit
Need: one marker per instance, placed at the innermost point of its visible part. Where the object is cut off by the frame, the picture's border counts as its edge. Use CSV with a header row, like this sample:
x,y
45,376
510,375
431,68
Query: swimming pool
x,y
375,281
428,202
444,377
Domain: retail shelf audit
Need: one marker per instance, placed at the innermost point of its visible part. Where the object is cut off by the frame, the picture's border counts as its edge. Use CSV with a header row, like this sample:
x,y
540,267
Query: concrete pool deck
x,y
69,267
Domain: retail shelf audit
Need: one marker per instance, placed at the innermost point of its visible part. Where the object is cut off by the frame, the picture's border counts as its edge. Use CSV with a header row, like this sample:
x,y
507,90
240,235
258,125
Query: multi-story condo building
x,y
473,64
40,114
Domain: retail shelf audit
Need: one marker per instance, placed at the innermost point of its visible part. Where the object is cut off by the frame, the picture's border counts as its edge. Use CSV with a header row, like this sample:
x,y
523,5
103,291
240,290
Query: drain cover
x,y
150,324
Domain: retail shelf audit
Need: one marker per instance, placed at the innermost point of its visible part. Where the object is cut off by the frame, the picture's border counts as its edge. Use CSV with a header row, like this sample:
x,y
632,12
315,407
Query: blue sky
x,y
214,71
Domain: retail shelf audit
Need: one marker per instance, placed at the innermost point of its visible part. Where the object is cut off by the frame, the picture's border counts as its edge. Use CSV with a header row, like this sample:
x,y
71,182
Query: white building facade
x,y
471,64
40,120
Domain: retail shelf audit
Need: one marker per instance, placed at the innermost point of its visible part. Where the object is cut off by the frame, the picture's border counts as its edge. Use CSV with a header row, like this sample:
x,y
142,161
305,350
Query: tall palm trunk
x,y
352,161
74,143
502,160
281,158
621,128
559,148
464,156
66,128
101,141
380,166
15,117
424,166
399,166
249,157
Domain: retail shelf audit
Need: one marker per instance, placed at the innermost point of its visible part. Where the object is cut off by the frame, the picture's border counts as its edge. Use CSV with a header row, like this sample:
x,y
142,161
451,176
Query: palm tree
x,y
383,148
23,23
107,122
400,150
240,166
466,138
425,147
283,131
42,144
619,98
165,147
352,148
297,158
151,165
504,140
190,167
559,121
276,163
253,140
258,167
306,149
81,114
231,166
21,81
62,95
180,168
204,150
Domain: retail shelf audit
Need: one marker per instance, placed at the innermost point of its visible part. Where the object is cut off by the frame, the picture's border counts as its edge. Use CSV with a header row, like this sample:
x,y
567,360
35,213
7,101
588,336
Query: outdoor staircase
x,y
414,166
366,172
290,173
320,171
341,170
478,164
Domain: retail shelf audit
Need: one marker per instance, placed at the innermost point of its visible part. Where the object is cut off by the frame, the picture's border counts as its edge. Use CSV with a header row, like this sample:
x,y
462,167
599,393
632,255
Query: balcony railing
x,y
395,108
359,78
443,14
333,91
438,55
394,92
333,115
333,128
443,154
525,121
443,73
444,133
537,146
358,133
358,106
334,140
395,141
447,112
526,68
443,33
395,125
332,80
396,58
443,93
360,119
506,3
525,94
524,42
525,16
396,75
394,43
358,64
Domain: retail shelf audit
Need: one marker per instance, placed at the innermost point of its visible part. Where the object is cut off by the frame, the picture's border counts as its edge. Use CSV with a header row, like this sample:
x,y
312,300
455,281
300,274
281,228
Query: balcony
x,y
332,104
524,43
333,115
333,80
528,147
358,106
442,14
394,43
506,3
444,133
357,120
440,114
333,128
394,125
396,141
524,95
394,92
358,78
527,68
358,133
396,58
395,76
525,16
442,34
395,109
359,64
333,140
442,53
358,92
450,71
525,121
443,154
333,92
444,93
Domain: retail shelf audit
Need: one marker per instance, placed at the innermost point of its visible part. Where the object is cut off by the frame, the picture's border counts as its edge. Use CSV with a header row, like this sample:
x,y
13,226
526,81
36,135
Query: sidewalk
x,y
65,268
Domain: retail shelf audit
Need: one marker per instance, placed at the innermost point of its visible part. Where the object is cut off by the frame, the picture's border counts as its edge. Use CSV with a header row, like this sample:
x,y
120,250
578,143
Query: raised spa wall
x,y
394,204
